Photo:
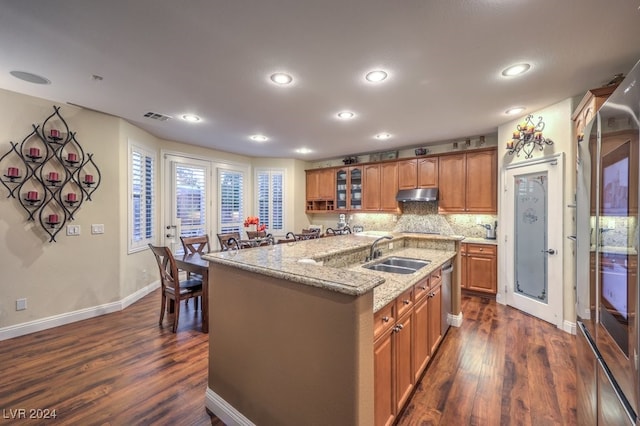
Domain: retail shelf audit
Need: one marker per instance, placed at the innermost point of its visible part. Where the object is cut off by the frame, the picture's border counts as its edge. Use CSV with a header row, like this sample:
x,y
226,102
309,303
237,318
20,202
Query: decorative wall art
x,y
49,174
528,136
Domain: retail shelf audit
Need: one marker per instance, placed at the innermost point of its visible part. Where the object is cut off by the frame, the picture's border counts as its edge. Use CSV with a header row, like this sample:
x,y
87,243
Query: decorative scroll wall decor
x,y
50,174
528,136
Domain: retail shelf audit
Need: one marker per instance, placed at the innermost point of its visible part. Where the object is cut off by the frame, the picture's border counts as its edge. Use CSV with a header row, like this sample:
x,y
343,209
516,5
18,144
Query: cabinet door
x,y
342,184
407,174
312,184
463,266
326,184
355,188
451,183
482,182
481,273
404,372
383,379
428,172
435,318
421,344
388,186
371,187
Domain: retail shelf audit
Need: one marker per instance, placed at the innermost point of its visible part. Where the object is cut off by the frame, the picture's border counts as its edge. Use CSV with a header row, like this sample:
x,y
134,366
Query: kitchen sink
x,y
405,262
390,268
398,265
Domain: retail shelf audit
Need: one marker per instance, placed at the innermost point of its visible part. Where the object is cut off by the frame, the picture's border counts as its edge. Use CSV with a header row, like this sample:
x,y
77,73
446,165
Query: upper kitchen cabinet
x,y
348,184
468,183
380,186
320,190
418,173
588,106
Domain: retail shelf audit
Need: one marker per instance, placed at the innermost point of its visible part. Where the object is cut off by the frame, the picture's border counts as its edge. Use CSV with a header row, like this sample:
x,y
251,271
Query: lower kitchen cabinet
x,y
479,267
406,334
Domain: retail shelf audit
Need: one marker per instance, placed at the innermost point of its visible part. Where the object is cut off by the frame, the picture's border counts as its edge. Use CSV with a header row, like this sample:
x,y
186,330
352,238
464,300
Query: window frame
x,y
147,153
271,171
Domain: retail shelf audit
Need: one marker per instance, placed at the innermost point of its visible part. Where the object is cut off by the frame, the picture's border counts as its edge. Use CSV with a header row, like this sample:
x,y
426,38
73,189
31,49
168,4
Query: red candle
x,y
32,195
510,145
88,178
53,218
13,171
71,196
72,156
55,133
53,176
34,152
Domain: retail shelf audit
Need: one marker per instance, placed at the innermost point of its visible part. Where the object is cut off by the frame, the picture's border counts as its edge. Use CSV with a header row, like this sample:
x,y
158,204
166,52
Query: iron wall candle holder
x,y
527,137
45,148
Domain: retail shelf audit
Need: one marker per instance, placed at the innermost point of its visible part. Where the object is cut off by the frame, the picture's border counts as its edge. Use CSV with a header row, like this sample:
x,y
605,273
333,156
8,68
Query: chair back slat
x,y
223,239
167,267
197,244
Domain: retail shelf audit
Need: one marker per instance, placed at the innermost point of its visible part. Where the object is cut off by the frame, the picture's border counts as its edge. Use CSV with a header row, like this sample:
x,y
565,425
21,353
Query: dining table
x,y
194,263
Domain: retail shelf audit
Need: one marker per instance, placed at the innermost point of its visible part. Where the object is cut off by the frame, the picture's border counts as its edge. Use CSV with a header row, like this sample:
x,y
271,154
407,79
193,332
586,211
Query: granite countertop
x,y
474,240
302,262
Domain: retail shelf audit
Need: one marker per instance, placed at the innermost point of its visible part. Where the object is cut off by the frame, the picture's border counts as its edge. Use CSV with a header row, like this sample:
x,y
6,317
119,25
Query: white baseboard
x,y
224,411
71,317
569,327
454,320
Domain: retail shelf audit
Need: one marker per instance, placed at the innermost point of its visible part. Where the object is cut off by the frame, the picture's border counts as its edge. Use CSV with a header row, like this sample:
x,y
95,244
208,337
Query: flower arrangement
x,y
254,220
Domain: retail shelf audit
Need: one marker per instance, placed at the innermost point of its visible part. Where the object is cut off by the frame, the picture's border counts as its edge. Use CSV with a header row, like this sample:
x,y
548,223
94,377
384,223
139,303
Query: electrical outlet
x,y
611,224
21,304
390,246
478,220
97,229
73,230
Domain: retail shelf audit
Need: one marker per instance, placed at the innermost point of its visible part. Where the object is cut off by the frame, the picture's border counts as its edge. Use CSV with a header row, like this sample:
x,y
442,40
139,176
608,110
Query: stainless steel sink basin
x,y
405,262
390,268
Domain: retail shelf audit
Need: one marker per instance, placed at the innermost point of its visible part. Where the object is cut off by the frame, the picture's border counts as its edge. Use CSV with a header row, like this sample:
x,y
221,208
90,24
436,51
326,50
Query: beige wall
x,y
82,276
558,128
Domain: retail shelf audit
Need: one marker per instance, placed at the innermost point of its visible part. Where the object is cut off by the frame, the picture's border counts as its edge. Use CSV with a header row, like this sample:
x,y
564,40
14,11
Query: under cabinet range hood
x,y
418,194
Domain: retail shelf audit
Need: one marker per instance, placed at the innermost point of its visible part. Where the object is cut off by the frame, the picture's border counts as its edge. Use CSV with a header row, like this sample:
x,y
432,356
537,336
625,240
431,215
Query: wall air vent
x,y
156,116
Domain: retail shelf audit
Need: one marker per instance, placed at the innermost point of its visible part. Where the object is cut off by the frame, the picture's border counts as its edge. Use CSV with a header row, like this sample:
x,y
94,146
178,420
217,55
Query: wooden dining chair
x,y
252,235
224,238
173,288
197,244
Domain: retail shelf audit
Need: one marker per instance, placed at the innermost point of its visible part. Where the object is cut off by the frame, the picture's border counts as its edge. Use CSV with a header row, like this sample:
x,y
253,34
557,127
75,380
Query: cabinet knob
x,y
422,287
481,249
399,327
406,302
385,319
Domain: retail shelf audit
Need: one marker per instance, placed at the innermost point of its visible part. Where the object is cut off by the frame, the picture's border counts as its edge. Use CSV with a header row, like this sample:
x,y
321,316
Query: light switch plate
x,y
97,228
73,230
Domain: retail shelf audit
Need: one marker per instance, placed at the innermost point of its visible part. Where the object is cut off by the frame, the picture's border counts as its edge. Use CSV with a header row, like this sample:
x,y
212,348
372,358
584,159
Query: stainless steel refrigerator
x,y
607,261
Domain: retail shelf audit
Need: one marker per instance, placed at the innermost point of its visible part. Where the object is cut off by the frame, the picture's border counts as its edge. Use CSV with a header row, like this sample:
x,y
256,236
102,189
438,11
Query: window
x,y
231,200
270,199
141,198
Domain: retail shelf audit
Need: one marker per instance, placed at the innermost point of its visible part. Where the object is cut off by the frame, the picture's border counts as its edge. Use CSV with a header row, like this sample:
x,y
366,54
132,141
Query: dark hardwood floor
x,y
501,367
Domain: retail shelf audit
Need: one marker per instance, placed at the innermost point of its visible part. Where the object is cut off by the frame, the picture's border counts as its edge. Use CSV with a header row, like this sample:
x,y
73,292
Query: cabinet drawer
x,y
487,249
421,289
384,319
436,278
404,302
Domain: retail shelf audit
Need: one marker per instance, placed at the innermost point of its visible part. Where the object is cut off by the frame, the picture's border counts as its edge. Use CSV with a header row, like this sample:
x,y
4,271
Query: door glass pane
x,y
191,199
531,236
231,201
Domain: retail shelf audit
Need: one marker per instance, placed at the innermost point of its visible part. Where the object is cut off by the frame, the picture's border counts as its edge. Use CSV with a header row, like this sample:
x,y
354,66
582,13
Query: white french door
x,y
534,237
188,207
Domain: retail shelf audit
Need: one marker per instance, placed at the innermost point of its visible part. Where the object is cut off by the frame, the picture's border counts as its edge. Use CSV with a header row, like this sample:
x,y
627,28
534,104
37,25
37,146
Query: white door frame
x,y
554,164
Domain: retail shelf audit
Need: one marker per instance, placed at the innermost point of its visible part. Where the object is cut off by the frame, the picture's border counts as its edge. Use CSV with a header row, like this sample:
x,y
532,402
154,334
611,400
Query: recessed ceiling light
x,y
304,151
382,136
259,138
515,70
515,110
346,115
191,118
30,77
376,76
281,78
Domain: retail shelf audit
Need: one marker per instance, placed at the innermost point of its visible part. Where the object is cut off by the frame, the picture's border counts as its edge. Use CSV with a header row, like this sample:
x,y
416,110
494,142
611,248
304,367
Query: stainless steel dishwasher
x,y
447,271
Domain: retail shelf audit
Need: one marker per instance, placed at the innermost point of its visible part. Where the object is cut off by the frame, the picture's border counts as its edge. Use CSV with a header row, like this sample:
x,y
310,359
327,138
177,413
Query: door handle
x,y
550,251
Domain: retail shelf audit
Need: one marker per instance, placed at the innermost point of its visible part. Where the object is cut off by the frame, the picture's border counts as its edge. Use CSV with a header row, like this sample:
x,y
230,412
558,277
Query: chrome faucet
x,y
375,253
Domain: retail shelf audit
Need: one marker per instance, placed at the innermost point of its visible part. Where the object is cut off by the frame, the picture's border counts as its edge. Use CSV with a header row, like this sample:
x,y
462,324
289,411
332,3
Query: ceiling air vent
x,y
156,116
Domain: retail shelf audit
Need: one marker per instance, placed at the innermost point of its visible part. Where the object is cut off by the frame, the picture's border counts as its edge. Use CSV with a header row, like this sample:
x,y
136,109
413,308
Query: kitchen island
x,y
291,326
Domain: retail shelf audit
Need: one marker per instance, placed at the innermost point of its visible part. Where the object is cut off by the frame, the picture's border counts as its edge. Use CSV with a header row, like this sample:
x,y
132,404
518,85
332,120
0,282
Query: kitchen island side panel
x,y
282,353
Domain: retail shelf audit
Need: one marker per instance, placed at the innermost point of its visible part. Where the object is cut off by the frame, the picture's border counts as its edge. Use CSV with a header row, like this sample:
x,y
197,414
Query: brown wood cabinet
x,y
588,106
348,184
468,182
418,173
407,333
479,267
380,185
320,190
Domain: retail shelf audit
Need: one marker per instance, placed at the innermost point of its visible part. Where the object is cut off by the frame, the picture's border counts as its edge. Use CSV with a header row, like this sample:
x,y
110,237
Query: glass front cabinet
x,y
349,188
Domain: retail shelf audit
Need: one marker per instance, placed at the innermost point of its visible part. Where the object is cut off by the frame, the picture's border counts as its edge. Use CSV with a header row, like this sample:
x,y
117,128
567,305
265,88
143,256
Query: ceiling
x,y
213,58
